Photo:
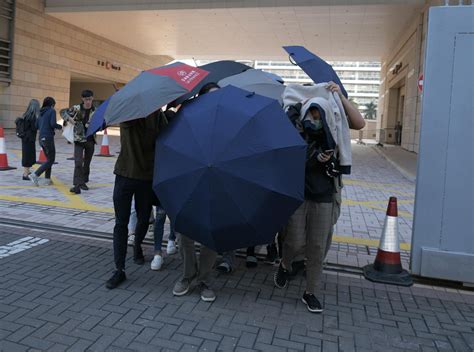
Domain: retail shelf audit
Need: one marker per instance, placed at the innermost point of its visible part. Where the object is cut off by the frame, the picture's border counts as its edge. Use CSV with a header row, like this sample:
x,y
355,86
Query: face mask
x,y
318,124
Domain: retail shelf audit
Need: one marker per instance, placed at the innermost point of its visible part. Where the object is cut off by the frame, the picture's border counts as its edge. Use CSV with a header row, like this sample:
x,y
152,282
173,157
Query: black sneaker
x,y
84,187
117,278
272,254
75,190
281,277
312,303
138,257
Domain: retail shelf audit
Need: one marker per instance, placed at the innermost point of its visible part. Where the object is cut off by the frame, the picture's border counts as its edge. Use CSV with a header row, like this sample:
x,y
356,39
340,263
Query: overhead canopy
x,y
333,29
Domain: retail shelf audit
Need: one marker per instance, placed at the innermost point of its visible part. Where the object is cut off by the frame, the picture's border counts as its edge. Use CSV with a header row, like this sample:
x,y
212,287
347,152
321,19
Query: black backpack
x,y
20,127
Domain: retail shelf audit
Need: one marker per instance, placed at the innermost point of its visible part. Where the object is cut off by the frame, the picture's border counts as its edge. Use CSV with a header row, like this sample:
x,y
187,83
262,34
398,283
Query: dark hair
x,y
207,87
87,93
48,102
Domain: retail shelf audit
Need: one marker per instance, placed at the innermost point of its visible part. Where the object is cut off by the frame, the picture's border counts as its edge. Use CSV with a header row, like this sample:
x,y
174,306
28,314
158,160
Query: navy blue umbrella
x,y
315,67
229,170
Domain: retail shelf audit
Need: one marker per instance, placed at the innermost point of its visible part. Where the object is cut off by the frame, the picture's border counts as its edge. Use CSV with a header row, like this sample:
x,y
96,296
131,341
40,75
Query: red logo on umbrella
x,y
185,75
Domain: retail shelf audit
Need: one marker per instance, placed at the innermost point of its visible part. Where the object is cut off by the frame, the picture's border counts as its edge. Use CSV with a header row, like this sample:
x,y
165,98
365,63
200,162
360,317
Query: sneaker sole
x,y
312,310
155,268
207,299
276,284
180,293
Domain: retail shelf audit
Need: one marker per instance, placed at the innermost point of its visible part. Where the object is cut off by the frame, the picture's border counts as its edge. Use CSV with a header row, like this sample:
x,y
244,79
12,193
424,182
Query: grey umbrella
x,y
256,81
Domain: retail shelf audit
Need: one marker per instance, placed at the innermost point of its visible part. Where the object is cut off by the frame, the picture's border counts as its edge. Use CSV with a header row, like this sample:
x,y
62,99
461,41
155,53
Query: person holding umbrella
x,y
133,179
207,258
310,228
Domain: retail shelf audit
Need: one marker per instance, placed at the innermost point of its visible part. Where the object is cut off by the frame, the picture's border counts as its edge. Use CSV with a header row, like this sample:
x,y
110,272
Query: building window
x,y
7,12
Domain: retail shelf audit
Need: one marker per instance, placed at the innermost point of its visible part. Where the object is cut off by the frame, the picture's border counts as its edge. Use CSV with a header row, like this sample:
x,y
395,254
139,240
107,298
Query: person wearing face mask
x,y
79,116
308,228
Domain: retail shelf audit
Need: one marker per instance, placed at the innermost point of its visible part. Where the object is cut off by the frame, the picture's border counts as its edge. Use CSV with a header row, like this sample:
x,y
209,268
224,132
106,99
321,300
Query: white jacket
x,y
335,114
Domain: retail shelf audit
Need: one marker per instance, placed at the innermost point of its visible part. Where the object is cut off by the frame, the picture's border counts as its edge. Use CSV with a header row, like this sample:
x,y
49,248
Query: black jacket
x,y
137,151
30,129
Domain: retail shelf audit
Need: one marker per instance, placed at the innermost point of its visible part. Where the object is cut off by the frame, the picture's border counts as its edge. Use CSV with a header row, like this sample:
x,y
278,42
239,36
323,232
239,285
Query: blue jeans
x,y
160,219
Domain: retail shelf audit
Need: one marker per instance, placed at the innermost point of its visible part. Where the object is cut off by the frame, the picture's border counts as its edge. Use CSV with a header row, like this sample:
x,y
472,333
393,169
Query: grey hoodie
x,y
335,115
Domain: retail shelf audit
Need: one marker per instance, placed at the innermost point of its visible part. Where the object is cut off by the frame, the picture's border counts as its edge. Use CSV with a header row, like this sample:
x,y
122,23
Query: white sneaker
x,y
34,179
48,182
171,247
131,239
157,262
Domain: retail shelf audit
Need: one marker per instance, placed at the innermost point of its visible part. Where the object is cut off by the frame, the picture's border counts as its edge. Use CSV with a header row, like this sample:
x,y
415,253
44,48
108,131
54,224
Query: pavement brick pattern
x,y
52,298
365,197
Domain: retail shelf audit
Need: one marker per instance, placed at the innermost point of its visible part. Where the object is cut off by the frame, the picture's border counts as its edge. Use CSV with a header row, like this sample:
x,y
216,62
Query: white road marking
x,y
20,245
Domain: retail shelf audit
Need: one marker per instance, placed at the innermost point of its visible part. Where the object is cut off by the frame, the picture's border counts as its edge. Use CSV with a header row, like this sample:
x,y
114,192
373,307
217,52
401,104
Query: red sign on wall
x,y
420,83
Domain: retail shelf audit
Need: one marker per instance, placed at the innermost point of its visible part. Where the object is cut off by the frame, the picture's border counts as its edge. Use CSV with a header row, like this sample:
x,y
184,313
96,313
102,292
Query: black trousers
x,y
83,153
124,190
49,149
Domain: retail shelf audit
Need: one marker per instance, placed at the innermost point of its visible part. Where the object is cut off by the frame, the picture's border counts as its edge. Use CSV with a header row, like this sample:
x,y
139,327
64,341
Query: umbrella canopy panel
x,y
230,169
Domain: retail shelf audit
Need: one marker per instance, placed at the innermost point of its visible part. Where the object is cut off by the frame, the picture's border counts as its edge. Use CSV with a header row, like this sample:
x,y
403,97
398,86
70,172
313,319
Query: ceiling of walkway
x,y
335,32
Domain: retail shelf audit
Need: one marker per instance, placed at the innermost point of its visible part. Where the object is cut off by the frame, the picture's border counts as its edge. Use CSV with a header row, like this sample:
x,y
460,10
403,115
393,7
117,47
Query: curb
x,y
400,169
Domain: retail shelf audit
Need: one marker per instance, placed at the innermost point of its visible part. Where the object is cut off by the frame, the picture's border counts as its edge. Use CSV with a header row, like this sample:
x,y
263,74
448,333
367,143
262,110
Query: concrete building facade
x,y
400,96
60,46
50,57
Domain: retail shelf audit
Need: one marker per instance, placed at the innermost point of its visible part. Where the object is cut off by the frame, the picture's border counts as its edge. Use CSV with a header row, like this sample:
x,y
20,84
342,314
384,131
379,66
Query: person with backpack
x,y
26,130
46,124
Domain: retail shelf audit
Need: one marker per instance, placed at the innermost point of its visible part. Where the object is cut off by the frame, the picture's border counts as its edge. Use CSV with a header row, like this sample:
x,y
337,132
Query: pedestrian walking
x,y
79,116
46,124
133,179
26,130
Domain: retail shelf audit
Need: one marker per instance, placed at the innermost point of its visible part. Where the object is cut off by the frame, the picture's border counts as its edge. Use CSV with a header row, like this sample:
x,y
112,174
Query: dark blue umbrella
x,y
217,71
229,170
315,67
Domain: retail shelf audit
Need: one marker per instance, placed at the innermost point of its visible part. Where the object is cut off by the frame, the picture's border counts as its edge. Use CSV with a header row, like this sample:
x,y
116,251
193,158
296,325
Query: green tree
x,y
370,111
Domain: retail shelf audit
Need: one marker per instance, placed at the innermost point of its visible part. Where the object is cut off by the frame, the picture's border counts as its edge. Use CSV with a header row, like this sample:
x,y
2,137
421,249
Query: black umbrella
x,y
217,71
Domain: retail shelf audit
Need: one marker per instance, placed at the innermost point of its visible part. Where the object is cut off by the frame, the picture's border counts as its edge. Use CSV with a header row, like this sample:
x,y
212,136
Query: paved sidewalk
x,y
404,161
52,298
365,195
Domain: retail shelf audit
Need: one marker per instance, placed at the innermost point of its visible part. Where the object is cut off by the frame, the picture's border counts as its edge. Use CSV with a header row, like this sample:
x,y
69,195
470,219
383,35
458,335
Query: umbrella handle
x,y
291,59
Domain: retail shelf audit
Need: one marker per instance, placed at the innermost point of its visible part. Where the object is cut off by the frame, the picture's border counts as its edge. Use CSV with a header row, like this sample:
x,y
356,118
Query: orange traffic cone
x,y
3,153
104,148
42,157
387,267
